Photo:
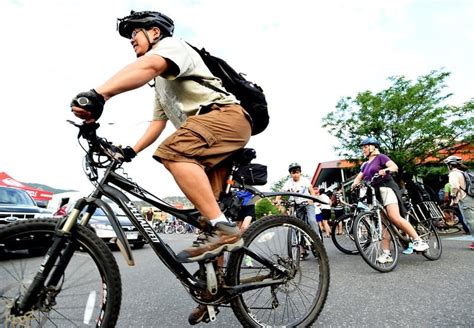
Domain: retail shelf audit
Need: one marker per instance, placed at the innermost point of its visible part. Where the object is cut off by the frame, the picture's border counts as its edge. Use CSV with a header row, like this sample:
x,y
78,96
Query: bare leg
x,y
245,224
327,230
397,220
194,183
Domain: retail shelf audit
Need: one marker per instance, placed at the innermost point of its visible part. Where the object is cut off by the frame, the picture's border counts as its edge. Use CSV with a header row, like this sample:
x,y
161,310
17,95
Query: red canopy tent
x,y
36,194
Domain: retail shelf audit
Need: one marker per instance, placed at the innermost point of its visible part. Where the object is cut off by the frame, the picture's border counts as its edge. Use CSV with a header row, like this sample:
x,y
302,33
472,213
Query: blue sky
x,y
305,54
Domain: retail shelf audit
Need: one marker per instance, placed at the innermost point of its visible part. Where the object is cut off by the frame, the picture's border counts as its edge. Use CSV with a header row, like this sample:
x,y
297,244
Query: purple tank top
x,y
372,168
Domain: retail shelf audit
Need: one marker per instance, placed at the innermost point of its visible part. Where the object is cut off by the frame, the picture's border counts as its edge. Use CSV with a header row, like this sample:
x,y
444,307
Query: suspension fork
x,y
49,267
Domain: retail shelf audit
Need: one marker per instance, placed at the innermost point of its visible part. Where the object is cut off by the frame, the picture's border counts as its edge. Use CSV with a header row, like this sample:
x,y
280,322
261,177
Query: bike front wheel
x,y
344,241
371,241
285,291
428,233
88,292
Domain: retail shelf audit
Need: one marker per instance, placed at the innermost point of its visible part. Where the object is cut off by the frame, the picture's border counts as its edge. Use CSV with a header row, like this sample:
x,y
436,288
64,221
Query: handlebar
x,y
98,146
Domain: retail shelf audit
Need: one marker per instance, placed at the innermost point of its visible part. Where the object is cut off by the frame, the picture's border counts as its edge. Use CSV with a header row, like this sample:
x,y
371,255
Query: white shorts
x,y
388,196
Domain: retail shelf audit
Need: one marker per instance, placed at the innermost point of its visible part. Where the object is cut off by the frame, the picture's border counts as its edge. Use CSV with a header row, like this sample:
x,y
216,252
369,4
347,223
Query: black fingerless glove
x,y
128,154
90,101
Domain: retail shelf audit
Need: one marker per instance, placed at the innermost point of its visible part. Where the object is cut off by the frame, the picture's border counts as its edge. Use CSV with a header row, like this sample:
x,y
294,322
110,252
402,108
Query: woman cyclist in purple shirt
x,y
388,193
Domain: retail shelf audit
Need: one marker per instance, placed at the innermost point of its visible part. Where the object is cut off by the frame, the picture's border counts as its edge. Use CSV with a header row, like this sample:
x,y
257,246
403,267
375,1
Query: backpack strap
x,y
200,80
206,84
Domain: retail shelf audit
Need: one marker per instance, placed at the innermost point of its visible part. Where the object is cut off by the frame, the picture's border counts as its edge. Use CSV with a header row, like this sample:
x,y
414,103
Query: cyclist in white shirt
x,y
303,186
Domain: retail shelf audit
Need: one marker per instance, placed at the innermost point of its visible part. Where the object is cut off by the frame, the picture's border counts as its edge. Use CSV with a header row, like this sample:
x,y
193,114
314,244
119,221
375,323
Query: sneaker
x,y
385,258
409,249
226,236
472,246
420,245
198,314
200,239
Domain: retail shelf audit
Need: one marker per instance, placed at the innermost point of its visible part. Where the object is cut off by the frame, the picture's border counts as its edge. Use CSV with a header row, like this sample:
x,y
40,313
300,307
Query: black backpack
x,y
250,95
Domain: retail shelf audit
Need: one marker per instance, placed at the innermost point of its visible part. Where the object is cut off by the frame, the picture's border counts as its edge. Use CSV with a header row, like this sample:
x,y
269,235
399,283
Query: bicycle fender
x,y
122,241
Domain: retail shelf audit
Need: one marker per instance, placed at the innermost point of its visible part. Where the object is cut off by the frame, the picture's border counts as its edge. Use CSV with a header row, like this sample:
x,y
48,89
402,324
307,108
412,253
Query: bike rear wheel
x,y
300,296
369,241
88,292
449,223
345,241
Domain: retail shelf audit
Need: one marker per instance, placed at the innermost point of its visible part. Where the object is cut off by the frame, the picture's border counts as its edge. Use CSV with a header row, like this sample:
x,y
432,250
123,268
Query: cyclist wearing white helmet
x,y
460,200
388,193
210,125
302,185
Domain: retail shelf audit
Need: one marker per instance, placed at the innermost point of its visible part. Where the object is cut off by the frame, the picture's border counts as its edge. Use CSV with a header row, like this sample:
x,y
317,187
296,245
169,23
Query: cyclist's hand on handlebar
x,y
88,105
118,153
128,153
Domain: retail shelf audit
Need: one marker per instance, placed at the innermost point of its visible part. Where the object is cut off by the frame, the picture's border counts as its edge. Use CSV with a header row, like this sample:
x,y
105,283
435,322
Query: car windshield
x,y
15,197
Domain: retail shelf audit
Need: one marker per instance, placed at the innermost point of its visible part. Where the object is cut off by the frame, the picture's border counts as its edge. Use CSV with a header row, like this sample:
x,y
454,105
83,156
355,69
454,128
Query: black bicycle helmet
x,y
370,141
146,20
294,166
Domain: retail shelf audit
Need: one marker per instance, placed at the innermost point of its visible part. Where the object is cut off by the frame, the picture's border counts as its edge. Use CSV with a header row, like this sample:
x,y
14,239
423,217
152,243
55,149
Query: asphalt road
x,y
419,293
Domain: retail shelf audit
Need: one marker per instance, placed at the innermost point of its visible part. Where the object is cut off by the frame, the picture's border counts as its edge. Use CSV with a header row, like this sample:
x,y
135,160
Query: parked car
x,y
17,204
104,230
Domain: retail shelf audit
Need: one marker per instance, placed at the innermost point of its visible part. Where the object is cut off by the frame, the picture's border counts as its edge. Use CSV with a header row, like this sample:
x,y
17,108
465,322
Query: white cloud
x,y
305,54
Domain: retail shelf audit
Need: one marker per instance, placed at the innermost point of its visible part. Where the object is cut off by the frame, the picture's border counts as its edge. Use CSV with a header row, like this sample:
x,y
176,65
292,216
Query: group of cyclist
x,y
377,170
210,125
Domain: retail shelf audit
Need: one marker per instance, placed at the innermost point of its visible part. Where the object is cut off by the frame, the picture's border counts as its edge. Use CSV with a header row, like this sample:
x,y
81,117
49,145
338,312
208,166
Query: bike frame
x,y
108,187
114,186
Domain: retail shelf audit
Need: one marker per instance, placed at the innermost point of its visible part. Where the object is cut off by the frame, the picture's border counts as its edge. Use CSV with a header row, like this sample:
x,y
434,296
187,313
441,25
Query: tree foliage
x,y
411,119
264,207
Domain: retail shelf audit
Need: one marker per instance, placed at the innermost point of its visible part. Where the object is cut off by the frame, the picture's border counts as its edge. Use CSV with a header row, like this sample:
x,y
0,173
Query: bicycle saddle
x,y
243,156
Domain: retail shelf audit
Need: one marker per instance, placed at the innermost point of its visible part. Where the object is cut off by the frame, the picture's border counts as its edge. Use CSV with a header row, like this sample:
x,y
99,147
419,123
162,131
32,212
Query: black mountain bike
x,y
77,282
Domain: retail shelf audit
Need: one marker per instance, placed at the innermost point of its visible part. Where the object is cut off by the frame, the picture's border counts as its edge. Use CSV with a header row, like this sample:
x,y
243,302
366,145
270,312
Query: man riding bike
x,y
301,185
210,125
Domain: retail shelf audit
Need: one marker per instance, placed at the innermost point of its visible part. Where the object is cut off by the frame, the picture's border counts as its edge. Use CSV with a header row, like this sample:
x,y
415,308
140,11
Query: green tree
x,y
263,207
411,119
278,186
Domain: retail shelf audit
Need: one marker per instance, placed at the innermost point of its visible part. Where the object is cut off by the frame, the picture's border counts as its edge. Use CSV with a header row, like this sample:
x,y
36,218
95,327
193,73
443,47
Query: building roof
x,y
330,172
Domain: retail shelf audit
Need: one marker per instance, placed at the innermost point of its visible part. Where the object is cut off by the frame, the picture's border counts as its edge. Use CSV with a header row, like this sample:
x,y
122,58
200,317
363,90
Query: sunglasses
x,y
293,172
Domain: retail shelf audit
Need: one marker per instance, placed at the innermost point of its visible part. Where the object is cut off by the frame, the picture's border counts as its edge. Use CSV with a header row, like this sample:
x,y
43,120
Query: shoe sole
x,y
216,252
421,250
384,262
195,321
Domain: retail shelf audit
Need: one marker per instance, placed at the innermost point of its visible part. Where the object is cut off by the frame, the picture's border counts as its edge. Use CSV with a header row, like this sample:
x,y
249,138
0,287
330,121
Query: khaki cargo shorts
x,y
208,139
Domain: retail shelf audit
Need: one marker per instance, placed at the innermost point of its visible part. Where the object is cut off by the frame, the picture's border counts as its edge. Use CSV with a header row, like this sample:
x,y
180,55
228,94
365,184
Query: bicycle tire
x,y
169,229
295,303
429,234
345,242
89,289
444,227
293,245
368,241
180,229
